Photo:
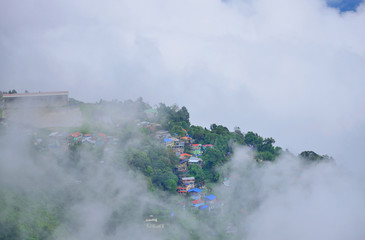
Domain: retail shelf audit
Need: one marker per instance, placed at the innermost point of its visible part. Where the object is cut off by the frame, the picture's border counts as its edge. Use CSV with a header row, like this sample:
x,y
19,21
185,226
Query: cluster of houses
x,y
187,185
59,139
198,199
78,138
151,126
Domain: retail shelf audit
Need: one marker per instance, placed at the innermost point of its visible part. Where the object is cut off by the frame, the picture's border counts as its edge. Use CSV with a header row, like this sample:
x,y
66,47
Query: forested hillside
x,y
122,151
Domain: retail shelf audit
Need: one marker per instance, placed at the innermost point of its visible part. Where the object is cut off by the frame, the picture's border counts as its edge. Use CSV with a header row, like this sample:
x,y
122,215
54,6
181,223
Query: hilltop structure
x,y
42,109
34,100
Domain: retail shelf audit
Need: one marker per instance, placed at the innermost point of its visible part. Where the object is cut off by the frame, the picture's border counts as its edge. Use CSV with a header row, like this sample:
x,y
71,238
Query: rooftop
x,y
13,95
210,197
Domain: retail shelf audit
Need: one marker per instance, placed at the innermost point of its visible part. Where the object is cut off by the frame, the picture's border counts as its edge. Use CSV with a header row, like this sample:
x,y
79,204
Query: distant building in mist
x,y
34,100
42,109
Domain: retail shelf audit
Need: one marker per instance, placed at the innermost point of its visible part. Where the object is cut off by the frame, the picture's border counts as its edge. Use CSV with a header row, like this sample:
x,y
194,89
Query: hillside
x,y
141,167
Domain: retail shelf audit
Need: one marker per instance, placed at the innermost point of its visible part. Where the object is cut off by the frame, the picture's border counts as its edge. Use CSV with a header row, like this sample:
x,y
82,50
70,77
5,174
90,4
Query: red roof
x,y
75,134
197,201
185,138
208,145
195,145
185,154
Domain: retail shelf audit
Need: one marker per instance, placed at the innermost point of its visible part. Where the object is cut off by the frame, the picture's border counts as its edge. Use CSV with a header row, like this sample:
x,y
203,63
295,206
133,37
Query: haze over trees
x,y
44,200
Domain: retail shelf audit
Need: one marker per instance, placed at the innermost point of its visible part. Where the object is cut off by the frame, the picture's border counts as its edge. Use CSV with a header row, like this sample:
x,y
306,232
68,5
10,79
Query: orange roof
x,y
195,145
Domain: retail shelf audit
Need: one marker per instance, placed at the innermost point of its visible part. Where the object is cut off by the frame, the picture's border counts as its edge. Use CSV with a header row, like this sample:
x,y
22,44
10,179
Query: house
x,y
178,143
196,149
168,142
89,138
204,207
162,134
196,146
208,146
34,100
195,193
76,134
188,180
187,140
210,199
76,137
195,160
178,151
184,188
197,203
195,190
184,157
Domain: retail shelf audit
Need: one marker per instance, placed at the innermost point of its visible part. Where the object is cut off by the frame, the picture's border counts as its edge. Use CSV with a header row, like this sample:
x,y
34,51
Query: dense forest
x,y
39,204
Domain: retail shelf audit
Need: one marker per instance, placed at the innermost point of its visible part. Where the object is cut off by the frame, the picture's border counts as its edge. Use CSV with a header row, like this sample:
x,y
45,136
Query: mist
x,y
102,197
291,70
293,199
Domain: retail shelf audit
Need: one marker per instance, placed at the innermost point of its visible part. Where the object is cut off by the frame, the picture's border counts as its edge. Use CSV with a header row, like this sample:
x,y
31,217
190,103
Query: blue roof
x,y
210,197
197,205
167,140
195,190
204,207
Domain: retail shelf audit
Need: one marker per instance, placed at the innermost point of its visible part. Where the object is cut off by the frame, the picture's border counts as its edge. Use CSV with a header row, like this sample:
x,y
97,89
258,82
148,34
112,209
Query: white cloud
x,y
292,70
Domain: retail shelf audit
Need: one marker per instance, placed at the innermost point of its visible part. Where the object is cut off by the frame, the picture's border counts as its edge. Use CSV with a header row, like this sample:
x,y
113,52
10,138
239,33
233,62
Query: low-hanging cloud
x,y
291,198
292,70
286,199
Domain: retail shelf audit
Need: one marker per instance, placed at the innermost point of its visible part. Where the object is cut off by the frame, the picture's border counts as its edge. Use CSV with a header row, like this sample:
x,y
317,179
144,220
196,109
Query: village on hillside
x,y
182,166
197,197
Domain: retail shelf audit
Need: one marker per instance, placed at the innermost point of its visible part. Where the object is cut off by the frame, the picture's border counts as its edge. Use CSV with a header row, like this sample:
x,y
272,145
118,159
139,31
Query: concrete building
x,y
34,100
42,110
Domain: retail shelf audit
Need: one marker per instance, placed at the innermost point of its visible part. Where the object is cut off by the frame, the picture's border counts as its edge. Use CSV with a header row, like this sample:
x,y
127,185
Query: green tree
x,y
313,156
212,158
149,171
253,139
197,172
171,185
138,159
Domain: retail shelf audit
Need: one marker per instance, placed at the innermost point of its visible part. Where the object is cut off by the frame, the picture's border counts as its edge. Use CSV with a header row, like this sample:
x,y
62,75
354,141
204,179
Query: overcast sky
x,y
290,69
